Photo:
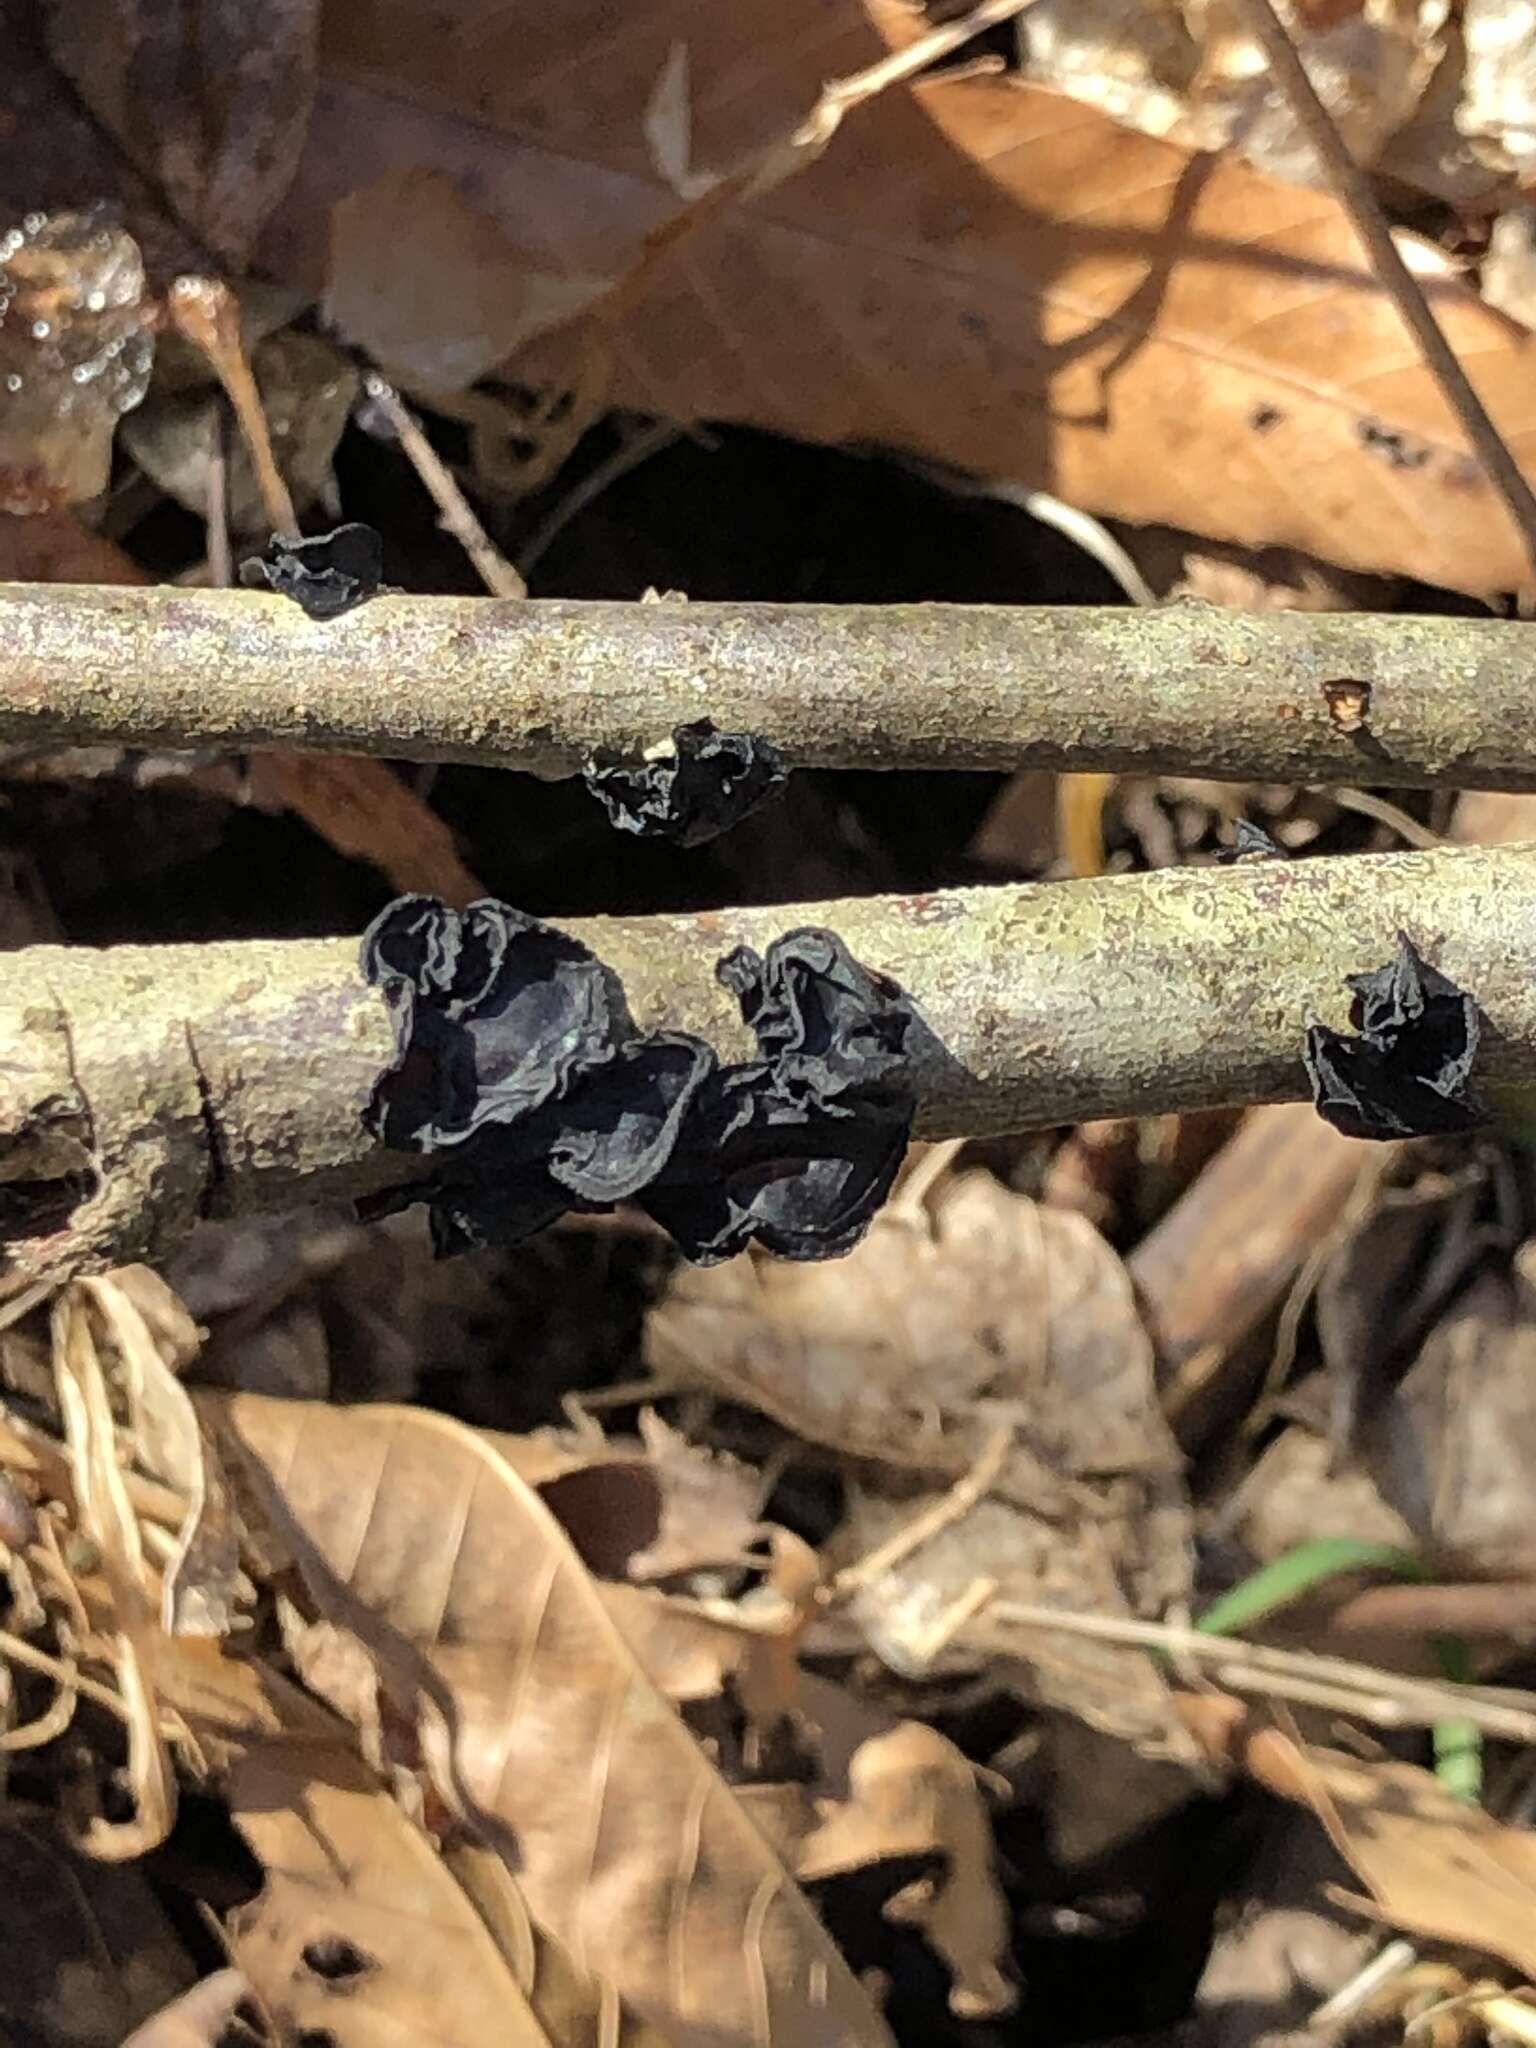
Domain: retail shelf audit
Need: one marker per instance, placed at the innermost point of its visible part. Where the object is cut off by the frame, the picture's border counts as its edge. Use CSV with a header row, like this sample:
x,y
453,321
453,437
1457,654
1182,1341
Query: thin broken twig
x,y
144,1087
455,514
1388,1699
1352,189
1185,689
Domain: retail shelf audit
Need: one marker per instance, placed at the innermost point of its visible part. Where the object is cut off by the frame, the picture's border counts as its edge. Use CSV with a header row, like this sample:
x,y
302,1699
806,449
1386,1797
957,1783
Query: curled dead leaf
x,y
914,1793
1434,1865
1149,333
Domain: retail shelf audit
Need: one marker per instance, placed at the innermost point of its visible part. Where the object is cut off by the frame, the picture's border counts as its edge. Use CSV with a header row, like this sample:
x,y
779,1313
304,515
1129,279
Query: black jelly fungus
x,y
708,782
326,575
519,1069
1407,1070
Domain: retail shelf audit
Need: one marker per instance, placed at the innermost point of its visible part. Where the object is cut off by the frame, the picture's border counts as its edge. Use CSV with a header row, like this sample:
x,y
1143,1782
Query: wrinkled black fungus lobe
x,y
709,782
802,1144
519,1069
327,575
1408,1071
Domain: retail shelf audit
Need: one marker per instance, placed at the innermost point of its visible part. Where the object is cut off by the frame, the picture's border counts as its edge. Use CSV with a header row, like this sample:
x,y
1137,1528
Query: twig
x,y
952,1506
1183,689
455,513
207,312
842,95
221,567
1353,191
146,1086
1388,1699
1387,1964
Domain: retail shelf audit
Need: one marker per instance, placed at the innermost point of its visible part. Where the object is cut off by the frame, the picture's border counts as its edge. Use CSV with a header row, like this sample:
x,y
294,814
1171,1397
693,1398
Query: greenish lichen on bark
x,y
1180,689
141,1088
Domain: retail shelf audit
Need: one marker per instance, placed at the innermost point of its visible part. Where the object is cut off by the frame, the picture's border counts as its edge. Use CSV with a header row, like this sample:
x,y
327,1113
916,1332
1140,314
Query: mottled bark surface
x,y
143,1087
1183,689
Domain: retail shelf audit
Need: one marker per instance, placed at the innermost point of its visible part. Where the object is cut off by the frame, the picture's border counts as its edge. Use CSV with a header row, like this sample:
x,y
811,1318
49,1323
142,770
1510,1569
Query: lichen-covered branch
x,y
141,1088
1184,688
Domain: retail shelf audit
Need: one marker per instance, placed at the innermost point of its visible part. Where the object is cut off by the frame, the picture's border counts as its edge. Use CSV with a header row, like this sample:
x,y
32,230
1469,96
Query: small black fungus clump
x,y
519,1069
709,782
327,575
798,1148
1408,1073
1249,842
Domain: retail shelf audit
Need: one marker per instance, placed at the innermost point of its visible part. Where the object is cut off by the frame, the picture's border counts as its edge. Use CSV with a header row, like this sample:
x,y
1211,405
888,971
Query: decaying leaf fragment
x,y
539,1724
1408,1071
76,349
1434,1865
912,1793
968,1310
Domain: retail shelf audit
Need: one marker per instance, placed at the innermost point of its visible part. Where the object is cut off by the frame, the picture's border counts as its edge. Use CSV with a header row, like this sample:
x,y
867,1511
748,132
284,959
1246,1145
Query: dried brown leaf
x,y
360,1932
915,1794
1433,1864
482,305
967,1309
1039,294
574,2011
210,101
414,1533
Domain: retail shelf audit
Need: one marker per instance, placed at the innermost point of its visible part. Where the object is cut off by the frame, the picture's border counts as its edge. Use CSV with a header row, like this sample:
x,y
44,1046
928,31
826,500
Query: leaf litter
x,y
842,1689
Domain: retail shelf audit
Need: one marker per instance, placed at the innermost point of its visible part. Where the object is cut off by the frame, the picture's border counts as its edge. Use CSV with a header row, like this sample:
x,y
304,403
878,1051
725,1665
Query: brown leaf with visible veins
x,y
980,271
414,1533
360,1933
210,99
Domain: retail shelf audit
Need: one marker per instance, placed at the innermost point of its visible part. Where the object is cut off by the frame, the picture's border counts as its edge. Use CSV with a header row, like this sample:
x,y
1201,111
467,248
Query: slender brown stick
x,y
143,1087
455,513
1390,1699
1184,689
207,312
1353,191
